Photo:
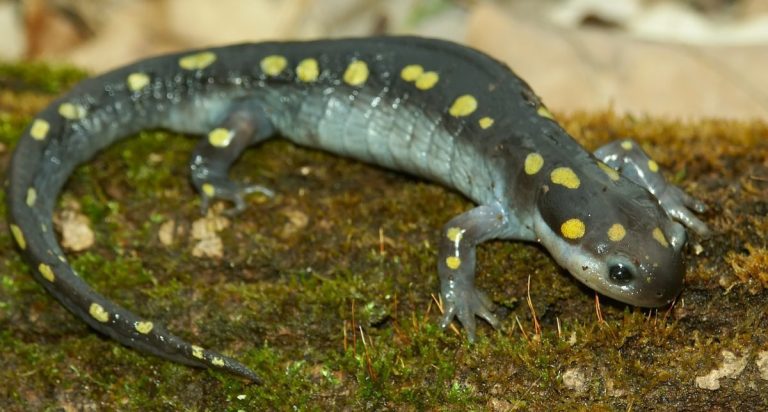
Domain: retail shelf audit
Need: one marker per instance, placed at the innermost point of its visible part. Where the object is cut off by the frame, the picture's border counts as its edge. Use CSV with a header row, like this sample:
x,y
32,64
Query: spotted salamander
x,y
431,108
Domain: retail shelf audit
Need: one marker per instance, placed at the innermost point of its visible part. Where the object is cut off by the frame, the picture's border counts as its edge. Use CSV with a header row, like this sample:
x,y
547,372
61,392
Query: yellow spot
x,y
208,189
220,137
611,172
453,262
72,111
46,271
137,81
98,312
39,129
616,232
143,327
31,196
485,122
463,106
273,65
659,236
308,70
566,177
573,229
19,236
544,112
197,61
653,166
626,145
356,73
427,80
454,233
533,163
217,361
411,72
197,352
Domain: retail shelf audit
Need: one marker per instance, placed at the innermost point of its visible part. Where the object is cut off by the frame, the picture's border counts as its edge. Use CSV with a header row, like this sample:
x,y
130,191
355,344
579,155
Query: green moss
x,y
340,314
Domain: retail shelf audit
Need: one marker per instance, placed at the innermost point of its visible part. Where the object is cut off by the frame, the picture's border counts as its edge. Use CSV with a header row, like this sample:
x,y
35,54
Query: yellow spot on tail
x,y
566,177
411,72
573,229
427,80
659,236
544,112
220,137
454,233
208,189
653,166
273,65
463,106
611,172
39,129
19,236
46,271
197,61
356,73
137,81
453,262
626,145
72,111
308,70
485,122
533,163
143,327
31,196
98,312
217,361
197,352
616,232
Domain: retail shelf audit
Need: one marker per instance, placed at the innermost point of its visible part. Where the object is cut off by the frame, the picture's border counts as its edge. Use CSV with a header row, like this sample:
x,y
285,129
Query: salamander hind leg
x,y
456,266
245,125
627,157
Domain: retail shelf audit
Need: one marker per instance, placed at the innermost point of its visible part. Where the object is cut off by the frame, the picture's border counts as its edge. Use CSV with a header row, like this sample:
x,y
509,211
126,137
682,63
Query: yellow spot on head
x,y
463,106
659,236
427,80
39,129
611,172
533,163
137,81
411,72
72,111
197,61
208,189
46,271
573,229
273,65
19,236
485,122
616,232
454,233
566,177
31,196
453,262
308,70
356,73
544,112
197,352
143,327
653,166
217,361
626,145
220,137
98,312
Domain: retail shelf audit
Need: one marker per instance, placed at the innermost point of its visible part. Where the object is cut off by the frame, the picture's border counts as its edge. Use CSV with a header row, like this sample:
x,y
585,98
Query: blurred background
x,y
676,59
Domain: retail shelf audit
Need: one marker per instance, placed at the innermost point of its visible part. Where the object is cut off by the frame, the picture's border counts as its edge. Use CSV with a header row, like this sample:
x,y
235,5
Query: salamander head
x,y
617,240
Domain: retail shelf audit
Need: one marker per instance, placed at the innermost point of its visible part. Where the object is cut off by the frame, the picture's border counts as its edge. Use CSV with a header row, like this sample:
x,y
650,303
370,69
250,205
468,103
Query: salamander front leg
x,y
456,266
632,162
246,125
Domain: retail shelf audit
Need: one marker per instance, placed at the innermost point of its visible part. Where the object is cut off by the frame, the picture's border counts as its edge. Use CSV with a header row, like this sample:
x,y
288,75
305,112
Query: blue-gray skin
x,y
431,108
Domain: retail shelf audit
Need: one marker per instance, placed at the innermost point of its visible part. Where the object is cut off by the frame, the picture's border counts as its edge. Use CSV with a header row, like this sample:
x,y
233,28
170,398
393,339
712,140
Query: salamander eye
x,y
620,273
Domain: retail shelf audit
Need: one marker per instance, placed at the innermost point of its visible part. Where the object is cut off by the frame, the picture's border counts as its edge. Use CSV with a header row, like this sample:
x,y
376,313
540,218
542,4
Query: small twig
x,y
598,309
536,325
